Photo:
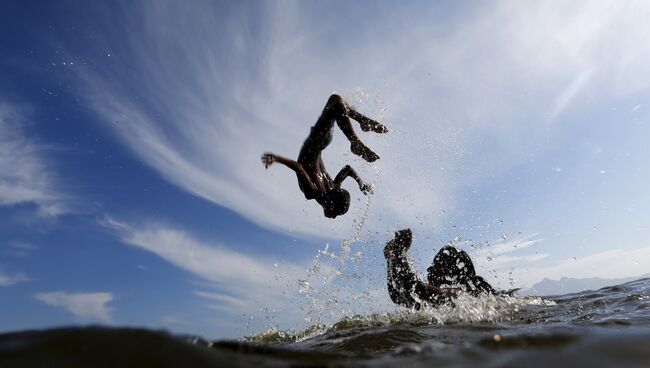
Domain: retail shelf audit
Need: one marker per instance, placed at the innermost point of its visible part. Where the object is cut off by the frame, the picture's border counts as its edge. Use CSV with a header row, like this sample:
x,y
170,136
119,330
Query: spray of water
x,y
467,309
331,294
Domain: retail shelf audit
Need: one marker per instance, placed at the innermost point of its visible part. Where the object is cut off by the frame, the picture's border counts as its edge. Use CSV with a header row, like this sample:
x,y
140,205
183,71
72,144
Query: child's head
x,y
335,202
450,266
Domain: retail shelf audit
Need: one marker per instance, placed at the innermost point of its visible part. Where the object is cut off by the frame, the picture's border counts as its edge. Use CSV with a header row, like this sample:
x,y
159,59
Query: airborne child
x,y
313,179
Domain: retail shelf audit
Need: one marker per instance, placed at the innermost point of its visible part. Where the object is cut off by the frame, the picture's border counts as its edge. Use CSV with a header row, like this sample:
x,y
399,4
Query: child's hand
x,y
366,188
401,242
268,159
403,239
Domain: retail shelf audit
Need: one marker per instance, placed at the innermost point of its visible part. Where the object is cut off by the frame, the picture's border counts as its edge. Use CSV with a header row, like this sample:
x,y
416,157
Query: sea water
x,y
609,327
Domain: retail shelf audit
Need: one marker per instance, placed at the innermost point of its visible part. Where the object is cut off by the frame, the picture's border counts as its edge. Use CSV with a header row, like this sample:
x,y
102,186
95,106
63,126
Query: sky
x,y
131,187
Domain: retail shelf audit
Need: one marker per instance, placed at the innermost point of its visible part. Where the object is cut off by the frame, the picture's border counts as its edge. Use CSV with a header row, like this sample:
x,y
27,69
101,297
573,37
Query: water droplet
x,y
303,286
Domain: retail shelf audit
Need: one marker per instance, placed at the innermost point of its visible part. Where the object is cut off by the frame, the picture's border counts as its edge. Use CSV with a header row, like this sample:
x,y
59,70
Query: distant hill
x,y
567,285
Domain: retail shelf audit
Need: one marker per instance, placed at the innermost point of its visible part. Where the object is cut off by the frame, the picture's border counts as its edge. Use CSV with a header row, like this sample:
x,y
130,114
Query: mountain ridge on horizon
x,y
568,285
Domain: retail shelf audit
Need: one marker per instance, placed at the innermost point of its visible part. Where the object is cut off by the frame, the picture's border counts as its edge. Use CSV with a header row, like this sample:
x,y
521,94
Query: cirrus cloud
x,y
456,93
87,306
25,176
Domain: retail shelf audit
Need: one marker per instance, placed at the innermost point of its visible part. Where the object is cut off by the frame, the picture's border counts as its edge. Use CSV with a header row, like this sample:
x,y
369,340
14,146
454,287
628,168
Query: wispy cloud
x,y
244,282
12,279
454,105
25,176
18,249
87,306
502,246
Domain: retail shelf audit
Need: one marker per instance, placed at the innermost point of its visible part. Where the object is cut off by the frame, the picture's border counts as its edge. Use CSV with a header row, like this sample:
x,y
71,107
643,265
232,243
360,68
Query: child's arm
x,y
268,159
349,171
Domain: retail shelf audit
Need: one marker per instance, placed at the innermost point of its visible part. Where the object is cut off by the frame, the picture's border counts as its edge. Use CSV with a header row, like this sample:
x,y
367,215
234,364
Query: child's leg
x,y
365,122
337,110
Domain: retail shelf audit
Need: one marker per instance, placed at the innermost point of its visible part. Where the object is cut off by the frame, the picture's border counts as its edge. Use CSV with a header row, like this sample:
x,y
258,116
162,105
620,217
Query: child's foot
x,y
369,124
366,123
360,149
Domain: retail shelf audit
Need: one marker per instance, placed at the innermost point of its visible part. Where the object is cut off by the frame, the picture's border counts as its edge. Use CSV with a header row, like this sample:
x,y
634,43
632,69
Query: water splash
x,y
330,292
330,270
467,309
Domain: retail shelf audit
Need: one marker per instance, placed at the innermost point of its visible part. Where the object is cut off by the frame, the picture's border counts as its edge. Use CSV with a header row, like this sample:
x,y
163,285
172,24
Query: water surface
x,y
609,327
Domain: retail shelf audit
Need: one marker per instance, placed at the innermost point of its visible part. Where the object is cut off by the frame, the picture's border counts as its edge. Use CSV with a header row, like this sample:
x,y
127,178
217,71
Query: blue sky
x,y
131,191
